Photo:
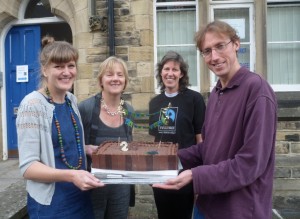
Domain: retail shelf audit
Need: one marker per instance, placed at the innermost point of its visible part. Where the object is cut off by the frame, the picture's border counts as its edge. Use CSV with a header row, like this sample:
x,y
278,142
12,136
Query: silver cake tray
x,y
133,177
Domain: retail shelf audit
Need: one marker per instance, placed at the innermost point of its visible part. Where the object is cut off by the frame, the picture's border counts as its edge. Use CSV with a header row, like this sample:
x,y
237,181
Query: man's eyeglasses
x,y
218,48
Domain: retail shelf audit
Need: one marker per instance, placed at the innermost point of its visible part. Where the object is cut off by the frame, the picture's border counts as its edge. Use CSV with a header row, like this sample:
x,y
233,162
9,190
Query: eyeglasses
x,y
218,48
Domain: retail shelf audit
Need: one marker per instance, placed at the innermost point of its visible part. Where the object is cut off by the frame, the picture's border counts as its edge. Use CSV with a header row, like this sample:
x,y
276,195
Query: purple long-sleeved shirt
x,y
233,168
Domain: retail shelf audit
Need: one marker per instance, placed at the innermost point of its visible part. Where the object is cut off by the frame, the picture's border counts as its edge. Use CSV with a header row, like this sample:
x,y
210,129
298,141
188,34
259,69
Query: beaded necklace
x,y
60,139
118,111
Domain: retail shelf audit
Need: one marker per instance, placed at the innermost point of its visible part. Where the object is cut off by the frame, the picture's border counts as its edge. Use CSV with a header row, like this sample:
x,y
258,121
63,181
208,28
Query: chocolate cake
x,y
140,156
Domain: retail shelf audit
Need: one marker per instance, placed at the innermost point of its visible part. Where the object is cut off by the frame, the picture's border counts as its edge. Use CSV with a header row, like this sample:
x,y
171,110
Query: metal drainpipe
x,y
92,7
111,29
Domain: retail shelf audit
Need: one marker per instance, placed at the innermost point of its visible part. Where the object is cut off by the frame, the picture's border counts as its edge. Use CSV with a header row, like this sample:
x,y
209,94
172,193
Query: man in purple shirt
x,y
232,169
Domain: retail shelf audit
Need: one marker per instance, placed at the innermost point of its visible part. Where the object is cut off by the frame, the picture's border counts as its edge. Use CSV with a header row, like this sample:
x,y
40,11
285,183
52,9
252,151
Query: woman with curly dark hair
x,y
184,110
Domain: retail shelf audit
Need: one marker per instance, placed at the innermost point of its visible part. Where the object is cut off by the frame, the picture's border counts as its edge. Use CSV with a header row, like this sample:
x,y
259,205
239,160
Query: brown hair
x,y
219,27
108,65
56,52
173,56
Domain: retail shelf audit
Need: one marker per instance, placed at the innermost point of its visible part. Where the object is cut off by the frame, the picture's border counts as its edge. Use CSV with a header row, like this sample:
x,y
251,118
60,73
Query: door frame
x,y
3,88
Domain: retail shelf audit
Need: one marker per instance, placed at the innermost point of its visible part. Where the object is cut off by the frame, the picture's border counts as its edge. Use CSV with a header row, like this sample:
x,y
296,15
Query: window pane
x,y
283,23
175,26
236,14
38,9
283,63
283,32
174,0
244,55
239,16
189,55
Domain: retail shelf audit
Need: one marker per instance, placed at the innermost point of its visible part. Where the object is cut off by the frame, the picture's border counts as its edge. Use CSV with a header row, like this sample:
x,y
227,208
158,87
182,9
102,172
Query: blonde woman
x,y
103,120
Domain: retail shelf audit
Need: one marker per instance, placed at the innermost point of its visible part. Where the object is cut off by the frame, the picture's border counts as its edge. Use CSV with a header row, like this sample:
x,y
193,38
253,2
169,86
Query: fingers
x,y
94,148
86,181
94,181
172,184
167,186
91,149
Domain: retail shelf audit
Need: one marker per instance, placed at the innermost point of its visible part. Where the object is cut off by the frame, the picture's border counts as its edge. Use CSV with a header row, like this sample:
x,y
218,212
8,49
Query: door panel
x,y
22,46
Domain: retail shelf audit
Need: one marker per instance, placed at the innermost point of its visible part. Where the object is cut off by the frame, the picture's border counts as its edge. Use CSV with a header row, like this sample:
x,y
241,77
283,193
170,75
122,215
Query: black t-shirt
x,y
185,115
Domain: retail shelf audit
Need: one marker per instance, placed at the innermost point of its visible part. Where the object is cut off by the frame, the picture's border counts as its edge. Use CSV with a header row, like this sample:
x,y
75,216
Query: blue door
x,y
22,46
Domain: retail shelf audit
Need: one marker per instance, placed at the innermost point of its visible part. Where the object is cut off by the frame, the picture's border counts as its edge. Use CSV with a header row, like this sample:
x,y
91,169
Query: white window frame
x,y
183,3
230,1
284,87
233,4
282,1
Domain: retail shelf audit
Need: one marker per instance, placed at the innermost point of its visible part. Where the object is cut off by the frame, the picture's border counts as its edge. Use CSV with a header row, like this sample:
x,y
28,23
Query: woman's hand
x,y
89,149
184,178
85,180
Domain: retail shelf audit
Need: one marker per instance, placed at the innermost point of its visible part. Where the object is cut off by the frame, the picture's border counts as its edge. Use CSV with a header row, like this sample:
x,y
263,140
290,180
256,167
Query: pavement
x,y
12,191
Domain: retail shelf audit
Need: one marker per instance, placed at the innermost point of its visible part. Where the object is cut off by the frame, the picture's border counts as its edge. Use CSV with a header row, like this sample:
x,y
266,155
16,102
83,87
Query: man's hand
x,y
177,183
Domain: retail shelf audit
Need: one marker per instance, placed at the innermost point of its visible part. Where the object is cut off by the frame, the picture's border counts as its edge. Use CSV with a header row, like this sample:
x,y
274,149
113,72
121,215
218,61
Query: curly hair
x,y
173,56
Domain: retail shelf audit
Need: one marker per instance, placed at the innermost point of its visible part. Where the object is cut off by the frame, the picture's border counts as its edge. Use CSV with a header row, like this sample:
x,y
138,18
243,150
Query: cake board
x,y
133,177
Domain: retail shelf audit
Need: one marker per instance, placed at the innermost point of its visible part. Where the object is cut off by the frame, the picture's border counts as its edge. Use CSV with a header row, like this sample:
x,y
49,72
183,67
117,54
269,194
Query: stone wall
x,y
287,171
133,24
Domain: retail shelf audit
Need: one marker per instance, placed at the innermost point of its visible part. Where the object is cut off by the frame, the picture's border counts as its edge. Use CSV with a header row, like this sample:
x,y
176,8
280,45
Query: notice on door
x,y
22,73
239,25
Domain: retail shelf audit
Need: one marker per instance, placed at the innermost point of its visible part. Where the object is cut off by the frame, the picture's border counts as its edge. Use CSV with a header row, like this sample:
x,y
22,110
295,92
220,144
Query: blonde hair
x,y
108,65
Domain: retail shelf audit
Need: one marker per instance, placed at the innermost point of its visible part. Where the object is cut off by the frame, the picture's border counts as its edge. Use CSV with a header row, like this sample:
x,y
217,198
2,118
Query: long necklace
x,y
60,139
118,111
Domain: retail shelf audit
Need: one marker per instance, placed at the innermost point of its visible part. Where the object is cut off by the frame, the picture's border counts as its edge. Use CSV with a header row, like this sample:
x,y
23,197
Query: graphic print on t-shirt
x,y
170,114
